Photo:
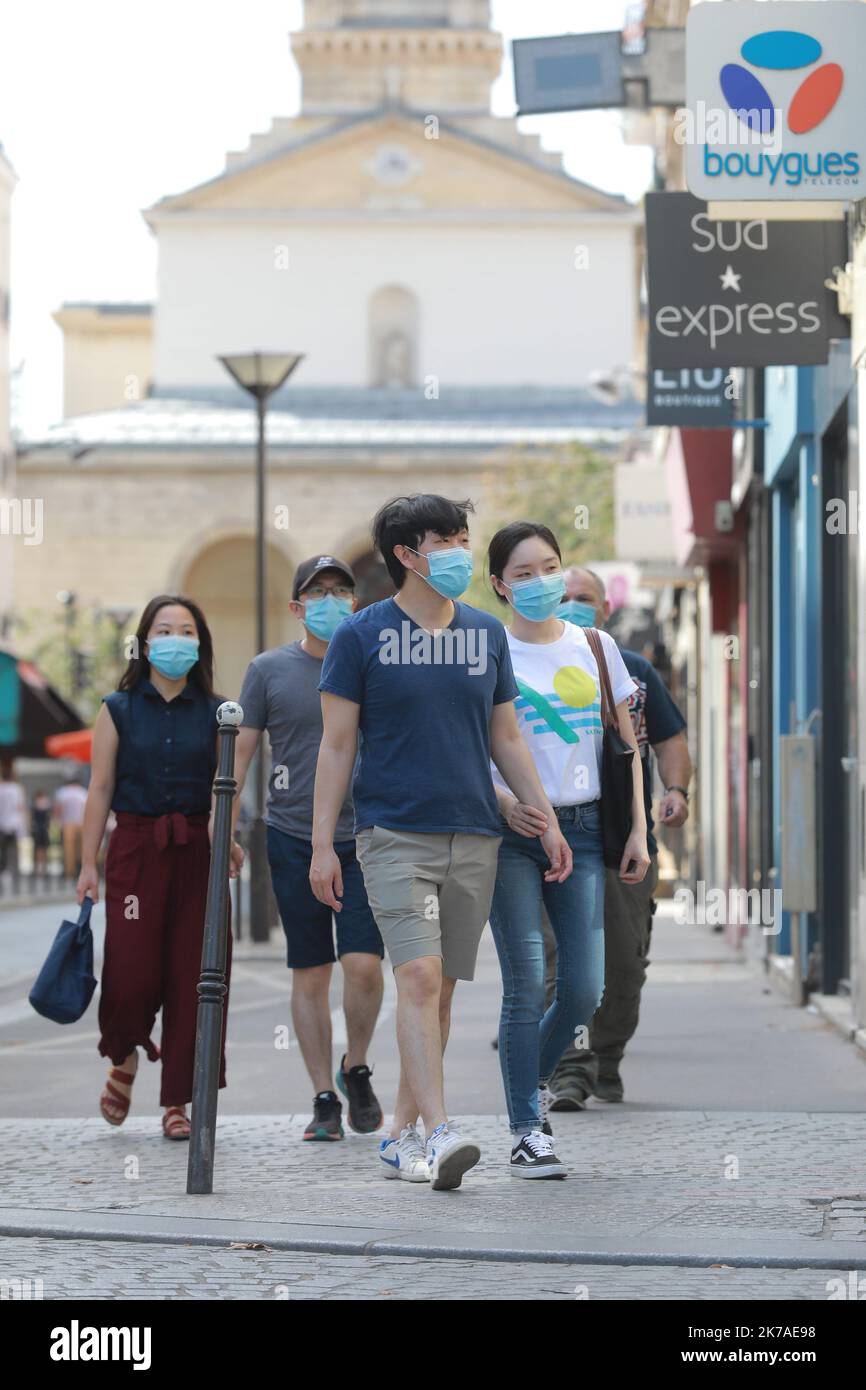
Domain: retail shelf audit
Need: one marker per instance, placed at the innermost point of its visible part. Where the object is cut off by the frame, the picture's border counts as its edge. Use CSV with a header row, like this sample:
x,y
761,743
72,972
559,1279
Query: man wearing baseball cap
x,y
280,696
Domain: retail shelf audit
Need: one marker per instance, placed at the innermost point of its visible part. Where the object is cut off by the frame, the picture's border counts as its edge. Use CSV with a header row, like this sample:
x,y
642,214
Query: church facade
x,y
452,291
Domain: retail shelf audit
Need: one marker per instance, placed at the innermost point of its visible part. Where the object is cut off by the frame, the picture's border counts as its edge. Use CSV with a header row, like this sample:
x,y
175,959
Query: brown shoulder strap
x,y
608,715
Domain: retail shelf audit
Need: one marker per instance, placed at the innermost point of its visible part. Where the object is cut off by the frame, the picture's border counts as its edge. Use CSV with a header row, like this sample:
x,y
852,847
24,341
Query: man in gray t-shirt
x,y
280,695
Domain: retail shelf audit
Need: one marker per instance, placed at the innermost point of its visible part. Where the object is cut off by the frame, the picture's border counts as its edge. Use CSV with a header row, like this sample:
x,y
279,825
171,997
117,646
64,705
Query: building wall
x,y
103,370
115,540
9,545
858,945
497,304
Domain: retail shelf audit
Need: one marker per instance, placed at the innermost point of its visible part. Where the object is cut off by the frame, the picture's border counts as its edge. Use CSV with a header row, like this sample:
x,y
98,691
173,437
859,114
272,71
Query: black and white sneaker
x,y
533,1157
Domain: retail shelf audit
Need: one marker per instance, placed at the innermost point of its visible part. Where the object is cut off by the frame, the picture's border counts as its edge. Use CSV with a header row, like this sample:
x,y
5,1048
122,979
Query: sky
x,y
107,106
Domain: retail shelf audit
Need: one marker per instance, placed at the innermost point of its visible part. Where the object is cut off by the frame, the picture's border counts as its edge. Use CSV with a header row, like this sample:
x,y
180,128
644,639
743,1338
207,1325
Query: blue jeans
x,y
531,1041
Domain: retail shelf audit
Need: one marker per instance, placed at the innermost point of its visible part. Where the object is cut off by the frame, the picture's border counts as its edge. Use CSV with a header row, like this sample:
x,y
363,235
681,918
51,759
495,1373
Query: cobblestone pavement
x,y
756,1161
88,1270
689,1175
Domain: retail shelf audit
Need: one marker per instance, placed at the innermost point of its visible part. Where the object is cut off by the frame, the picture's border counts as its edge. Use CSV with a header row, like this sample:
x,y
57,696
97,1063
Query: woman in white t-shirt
x,y
559,713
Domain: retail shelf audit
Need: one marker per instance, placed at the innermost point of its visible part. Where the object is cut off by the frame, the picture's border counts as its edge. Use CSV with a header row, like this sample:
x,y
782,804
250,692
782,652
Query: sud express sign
x,y
776,100
745,293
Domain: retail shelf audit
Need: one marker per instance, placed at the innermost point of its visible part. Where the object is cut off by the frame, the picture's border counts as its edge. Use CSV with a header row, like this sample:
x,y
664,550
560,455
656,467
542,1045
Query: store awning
x,y
31,710
78,746
699,471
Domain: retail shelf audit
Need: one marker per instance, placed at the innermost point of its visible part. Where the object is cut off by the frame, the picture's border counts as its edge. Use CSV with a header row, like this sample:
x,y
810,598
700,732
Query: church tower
x,y
432,56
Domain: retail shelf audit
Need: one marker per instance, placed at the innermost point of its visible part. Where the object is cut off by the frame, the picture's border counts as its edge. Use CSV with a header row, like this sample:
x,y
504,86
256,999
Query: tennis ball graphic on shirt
x,y
574,687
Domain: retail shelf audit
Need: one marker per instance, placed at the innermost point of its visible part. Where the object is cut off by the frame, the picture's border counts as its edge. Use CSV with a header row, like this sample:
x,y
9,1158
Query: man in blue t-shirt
x,y
427,683
628,907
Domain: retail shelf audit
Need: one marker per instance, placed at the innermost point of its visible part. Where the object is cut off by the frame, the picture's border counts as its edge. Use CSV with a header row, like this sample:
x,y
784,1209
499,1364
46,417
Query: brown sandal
x,y
113,1100
175,1123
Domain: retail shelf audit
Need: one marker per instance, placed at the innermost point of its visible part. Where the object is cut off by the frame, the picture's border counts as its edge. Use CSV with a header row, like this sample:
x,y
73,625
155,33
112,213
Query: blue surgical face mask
x,y
581,614
324,615
450,570
538,598
173,656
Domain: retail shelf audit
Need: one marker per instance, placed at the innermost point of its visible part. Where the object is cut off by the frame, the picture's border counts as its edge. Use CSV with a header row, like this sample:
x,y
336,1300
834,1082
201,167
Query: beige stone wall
x,y
447,173
107,359
119,530
429,54
324,14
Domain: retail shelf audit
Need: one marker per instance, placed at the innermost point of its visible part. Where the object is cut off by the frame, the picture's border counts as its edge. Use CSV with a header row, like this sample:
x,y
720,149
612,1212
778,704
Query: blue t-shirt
x,y
425,703
654,718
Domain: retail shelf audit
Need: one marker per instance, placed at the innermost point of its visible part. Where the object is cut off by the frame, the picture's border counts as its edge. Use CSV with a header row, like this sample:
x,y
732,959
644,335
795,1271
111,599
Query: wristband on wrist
x,y
682,791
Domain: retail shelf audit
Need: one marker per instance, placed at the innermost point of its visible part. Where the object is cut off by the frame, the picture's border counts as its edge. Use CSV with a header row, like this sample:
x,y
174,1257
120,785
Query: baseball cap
x,y
308,568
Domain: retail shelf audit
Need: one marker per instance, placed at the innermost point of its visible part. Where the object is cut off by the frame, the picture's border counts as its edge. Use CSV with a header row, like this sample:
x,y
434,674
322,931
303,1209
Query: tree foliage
x,y
569,490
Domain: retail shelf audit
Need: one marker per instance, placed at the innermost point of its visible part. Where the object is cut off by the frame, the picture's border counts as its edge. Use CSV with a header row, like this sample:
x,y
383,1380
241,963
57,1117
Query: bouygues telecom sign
x,y
775,100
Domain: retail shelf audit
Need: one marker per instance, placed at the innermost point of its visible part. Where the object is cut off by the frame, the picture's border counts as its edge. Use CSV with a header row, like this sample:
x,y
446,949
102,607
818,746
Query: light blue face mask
x,y
581,614
450,570
538,598
324,615
173,656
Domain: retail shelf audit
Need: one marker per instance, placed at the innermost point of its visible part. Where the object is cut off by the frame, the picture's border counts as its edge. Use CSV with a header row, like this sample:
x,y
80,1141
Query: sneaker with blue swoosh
x,y
405,1157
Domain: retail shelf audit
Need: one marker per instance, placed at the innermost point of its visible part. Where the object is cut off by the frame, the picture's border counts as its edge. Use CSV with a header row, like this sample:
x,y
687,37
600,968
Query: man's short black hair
x,y
406,521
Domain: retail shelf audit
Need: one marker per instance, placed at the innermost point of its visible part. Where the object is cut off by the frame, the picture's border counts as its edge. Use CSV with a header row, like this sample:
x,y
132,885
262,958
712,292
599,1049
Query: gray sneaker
x,y
609,1087
569,1094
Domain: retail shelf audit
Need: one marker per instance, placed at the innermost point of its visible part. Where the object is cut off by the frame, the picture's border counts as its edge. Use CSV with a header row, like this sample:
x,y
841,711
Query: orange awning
x,y
78,745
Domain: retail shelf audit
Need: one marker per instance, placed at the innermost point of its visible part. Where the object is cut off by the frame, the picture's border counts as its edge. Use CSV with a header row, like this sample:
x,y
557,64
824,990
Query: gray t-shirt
x,y
281,694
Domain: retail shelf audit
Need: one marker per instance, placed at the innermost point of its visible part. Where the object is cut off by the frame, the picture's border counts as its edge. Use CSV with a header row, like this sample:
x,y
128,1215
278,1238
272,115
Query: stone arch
x,y
393,337
221,576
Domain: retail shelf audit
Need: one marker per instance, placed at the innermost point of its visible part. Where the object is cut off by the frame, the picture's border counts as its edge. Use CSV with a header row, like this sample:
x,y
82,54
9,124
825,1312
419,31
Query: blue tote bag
x,y
65,984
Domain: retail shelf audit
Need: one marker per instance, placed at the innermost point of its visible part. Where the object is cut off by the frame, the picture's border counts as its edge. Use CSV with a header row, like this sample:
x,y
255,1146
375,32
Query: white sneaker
x,y
405,1157
449,1156
533,1157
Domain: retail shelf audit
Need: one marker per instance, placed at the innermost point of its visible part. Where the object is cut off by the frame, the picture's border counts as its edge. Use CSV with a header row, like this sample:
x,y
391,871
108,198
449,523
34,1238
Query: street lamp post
x,y
260,374
68,600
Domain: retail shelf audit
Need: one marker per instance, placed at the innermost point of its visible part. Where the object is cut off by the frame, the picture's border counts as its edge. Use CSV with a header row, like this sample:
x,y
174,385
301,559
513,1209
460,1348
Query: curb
x,y
582,1248
836,1009
50,898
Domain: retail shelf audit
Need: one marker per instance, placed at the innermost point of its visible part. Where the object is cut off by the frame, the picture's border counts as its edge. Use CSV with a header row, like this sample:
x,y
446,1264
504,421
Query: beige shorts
x,y
429,893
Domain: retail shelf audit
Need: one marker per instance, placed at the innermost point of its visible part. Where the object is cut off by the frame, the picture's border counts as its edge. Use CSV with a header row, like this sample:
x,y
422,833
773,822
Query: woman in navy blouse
x,y
154,760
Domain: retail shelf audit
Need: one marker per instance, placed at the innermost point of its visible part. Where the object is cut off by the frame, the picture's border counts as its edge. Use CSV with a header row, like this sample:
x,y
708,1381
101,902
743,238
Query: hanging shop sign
x,y
742,294
691,397
775,100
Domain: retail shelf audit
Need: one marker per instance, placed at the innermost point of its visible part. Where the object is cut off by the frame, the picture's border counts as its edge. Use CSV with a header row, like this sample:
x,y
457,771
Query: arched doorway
x,y
222,578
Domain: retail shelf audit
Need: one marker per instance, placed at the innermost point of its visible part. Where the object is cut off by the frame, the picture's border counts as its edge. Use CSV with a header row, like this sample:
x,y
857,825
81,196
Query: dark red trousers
x,y
156,873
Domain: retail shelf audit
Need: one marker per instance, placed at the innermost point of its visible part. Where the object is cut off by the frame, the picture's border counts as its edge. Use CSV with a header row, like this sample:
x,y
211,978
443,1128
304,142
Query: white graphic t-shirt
x,y
559,710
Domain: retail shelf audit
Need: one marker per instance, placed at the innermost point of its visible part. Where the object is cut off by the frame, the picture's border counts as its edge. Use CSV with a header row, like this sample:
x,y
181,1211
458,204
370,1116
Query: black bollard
x,y
212,985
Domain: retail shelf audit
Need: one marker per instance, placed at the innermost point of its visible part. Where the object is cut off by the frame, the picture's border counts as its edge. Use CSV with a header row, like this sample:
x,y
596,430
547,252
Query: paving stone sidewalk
x,y
645,1189
81,1270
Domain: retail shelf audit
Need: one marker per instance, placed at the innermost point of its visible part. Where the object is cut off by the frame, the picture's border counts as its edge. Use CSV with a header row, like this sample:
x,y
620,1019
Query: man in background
x,y
69,803
280,696
628,907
